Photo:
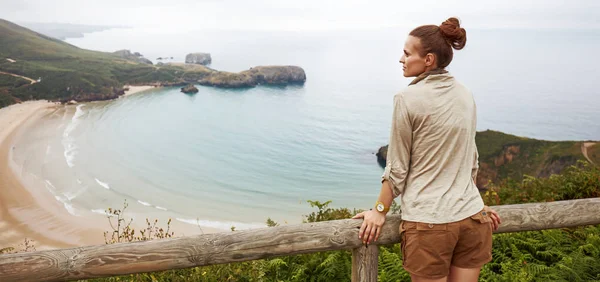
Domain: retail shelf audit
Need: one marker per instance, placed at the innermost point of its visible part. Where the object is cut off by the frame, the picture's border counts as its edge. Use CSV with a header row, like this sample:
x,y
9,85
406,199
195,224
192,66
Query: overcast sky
x,y
306,14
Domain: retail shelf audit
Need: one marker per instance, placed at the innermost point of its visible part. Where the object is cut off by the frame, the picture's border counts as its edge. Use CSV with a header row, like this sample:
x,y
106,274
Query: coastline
x,y
27,213
30,212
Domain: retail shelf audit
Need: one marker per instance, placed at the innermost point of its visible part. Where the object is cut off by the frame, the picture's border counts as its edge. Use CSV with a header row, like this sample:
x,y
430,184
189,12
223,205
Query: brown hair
x,y
440,40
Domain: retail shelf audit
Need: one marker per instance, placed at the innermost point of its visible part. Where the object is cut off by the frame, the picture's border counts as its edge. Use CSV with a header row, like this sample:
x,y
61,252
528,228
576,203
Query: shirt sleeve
x,y
475,163
399,149
475,168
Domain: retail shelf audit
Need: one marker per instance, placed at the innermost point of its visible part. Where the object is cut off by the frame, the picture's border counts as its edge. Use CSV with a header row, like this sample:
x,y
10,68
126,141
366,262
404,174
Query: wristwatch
x,y
380,207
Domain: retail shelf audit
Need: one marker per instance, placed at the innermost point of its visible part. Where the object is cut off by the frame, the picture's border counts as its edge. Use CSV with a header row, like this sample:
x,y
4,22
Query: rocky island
x,y
198,58
189,89
266,75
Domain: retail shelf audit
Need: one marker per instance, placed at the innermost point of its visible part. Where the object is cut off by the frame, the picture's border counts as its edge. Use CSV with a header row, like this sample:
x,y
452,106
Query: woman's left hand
x,y
496,221
371,226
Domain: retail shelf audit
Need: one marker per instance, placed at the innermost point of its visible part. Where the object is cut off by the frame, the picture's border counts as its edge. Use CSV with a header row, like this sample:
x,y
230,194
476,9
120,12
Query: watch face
x,y
380,207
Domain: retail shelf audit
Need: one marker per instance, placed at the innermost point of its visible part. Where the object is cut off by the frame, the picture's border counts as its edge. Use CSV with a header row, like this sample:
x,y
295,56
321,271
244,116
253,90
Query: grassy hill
x,y
504,156
68,72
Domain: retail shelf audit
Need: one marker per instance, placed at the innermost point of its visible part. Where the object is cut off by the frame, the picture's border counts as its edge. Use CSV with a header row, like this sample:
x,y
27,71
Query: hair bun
x,y
453,33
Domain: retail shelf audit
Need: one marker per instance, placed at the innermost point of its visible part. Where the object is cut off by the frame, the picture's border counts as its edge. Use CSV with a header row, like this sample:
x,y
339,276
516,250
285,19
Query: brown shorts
x,y
428,250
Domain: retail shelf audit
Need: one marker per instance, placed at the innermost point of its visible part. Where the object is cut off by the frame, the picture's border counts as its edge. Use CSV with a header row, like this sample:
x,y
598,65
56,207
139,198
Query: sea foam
x,y
144,203
103,184
68,141
101,211
63,199
67,204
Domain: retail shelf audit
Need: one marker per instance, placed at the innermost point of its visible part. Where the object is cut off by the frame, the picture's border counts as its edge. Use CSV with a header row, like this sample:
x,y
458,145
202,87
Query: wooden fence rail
x,y
184,252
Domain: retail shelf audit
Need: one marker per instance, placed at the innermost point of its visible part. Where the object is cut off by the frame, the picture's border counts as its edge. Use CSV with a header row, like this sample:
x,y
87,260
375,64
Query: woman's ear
x,y
429,59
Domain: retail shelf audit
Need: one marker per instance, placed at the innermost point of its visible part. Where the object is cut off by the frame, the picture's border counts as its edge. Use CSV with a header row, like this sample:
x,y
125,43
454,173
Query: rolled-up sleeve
x,y
475,163
475,168
399,149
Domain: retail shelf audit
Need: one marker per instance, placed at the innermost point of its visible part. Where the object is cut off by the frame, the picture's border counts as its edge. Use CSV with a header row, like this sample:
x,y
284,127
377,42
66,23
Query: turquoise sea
x,y
225,158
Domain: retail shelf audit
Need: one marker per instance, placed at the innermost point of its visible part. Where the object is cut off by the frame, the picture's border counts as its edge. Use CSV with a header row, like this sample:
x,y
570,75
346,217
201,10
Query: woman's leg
x,y
414,278
458,274
473,249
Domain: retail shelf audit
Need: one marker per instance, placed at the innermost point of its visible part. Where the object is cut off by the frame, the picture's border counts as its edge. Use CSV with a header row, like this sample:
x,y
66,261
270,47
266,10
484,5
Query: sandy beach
x,y
136,89
31,211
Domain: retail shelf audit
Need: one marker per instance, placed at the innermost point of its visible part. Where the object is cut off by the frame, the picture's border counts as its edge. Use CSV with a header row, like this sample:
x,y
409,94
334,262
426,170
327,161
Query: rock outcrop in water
x,y
382,155
266,75
277,75
189,89
136,57
198,58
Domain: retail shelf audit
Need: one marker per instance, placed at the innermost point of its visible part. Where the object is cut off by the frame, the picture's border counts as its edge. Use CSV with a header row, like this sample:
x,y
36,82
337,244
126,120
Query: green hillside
x,y
504,156
68,72
65,72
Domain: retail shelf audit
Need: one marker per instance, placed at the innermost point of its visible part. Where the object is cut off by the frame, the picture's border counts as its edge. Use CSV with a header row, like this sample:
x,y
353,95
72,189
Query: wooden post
x,y
364,263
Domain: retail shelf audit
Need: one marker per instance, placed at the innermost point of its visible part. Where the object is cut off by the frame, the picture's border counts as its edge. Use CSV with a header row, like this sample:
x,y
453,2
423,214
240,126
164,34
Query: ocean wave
x,y
223,225
144,203
72,195
68,206
161,208
101,211
68,141
103,184
50,187
65,200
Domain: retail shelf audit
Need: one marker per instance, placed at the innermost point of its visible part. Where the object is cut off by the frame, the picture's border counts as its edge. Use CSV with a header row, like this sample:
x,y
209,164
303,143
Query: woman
x,y
432,163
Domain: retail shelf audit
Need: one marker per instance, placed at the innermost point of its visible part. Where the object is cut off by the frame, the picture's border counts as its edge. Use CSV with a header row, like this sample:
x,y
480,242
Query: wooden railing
x,y
184,252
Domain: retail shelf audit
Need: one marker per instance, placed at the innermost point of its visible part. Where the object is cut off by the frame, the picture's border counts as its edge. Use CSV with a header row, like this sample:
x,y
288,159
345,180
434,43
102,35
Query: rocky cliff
x,y
266,75
274,75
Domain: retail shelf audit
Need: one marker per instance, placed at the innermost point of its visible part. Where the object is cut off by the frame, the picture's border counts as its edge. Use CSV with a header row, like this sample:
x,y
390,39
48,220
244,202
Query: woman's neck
x,y
426,74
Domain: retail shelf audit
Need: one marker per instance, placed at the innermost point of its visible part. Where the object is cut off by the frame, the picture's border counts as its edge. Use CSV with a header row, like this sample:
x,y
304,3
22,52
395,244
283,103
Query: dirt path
x,y
584,150
16,75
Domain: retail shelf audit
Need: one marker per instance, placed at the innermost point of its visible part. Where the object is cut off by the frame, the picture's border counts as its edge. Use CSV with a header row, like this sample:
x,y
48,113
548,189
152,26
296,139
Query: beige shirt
x,y
432,158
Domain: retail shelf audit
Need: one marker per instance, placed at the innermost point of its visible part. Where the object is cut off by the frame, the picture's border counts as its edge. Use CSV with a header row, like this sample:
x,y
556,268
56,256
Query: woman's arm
x,y
373,219
395,174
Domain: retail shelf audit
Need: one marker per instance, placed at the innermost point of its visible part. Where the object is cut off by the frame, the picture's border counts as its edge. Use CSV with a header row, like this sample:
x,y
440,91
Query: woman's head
x,y
429,47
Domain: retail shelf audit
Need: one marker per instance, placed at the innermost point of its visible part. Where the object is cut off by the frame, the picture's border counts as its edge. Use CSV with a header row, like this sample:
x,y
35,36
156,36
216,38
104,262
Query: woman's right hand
x,y
371,227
